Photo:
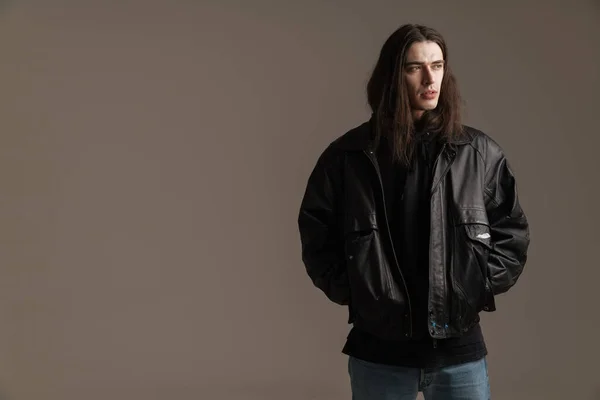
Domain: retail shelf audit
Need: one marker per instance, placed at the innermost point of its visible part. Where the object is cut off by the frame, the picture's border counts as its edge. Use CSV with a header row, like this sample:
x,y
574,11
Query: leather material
x,y
479,235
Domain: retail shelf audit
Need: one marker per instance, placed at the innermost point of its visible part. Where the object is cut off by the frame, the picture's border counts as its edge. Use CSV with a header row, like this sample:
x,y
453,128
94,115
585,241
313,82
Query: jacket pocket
x,y
369,279
469,272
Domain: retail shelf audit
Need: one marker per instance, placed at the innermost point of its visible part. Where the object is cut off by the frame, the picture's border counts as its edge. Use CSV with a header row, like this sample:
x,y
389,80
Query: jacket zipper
x,y
391,242
434,186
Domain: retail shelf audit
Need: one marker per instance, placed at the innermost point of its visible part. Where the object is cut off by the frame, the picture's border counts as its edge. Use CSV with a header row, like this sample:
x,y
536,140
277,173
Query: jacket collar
x,y
362,138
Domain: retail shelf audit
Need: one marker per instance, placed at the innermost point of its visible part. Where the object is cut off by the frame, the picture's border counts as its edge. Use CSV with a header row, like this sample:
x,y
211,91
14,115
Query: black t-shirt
x,y
407,196
416,353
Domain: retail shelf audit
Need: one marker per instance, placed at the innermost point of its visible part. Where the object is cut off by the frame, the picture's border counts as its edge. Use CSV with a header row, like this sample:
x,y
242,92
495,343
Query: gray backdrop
x,y
153,156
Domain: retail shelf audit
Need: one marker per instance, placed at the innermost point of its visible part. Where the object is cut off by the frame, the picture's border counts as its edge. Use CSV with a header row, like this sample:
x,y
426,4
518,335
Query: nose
x,y
427,76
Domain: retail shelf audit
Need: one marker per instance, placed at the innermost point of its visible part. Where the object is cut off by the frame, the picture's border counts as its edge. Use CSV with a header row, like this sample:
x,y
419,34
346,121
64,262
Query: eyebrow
x,y
411,63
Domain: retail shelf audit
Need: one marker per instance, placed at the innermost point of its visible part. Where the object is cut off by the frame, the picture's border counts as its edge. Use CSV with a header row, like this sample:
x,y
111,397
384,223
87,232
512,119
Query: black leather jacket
x,y
479,235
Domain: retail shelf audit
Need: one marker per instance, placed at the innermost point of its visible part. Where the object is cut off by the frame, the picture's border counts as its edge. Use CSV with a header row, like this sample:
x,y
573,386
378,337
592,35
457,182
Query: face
x,y
423,73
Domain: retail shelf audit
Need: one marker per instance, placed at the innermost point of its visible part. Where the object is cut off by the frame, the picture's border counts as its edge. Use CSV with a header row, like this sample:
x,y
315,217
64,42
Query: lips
x,y
429,95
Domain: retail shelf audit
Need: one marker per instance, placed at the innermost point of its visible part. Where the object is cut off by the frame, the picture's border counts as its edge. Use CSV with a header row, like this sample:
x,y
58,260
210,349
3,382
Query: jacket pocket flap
x,y
472,216
360,222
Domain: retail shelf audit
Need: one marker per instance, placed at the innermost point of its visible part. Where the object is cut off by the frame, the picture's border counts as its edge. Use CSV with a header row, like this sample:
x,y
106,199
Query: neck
x,y
417,115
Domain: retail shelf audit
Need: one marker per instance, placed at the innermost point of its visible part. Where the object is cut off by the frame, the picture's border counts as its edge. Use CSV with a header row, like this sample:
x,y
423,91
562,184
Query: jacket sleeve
x,y
318,222
509,228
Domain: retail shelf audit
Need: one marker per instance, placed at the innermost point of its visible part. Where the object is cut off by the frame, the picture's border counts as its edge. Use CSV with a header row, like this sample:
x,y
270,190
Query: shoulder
x,y
483,143
354,139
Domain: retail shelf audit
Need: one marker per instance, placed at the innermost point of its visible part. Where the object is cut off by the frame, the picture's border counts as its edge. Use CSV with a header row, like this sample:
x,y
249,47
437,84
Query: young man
x,y
412,220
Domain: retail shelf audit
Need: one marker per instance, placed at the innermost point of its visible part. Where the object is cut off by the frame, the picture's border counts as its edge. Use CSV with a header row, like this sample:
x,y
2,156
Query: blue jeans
x,y
370,381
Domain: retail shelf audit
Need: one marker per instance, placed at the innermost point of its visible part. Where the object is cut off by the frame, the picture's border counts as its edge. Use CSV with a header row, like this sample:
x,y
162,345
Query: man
x,y
412,220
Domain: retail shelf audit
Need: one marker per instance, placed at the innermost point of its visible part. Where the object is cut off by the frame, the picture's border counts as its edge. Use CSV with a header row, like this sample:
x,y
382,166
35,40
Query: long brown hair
x,y
389,99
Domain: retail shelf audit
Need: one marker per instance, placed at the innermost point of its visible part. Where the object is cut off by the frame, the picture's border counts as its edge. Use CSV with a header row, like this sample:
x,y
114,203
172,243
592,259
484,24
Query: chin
x,y
430,105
